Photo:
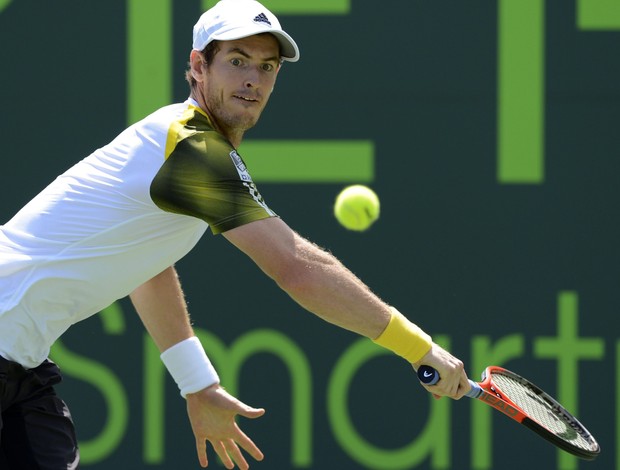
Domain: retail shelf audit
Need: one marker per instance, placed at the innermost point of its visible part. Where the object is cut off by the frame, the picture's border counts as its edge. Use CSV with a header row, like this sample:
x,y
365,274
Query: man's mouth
x,y
246,98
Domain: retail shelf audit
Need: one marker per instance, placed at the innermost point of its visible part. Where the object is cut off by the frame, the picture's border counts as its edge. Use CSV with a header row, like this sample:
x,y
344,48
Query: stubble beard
x,y
230,122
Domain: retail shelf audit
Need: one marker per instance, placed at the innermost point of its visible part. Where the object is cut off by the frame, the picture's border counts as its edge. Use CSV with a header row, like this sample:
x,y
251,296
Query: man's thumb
x,y
249,412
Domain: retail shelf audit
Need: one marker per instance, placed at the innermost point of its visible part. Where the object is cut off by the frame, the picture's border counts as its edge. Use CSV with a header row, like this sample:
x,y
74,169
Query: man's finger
x,y
252,413
201,449
236,455
248,445
223,454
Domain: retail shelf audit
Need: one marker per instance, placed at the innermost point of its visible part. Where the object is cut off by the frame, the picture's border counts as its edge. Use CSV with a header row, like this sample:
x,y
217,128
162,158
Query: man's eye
x,y
267,67
236,62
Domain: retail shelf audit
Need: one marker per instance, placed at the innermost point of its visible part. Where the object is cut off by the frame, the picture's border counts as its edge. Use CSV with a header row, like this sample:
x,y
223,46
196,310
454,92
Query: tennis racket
x,y
527,404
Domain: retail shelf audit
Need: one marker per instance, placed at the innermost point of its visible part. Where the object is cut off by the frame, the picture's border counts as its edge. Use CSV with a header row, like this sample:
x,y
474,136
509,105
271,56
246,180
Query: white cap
x,y
236,19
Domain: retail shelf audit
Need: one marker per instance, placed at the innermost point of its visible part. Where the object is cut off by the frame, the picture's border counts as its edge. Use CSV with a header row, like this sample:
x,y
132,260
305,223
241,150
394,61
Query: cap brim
x,y
288,48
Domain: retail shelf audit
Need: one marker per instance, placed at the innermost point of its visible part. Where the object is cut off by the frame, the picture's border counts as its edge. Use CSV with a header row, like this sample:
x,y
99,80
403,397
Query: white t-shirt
x,y
115,220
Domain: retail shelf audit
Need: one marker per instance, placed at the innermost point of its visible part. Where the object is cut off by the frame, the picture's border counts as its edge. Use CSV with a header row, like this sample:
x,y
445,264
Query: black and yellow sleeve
x,y
204,177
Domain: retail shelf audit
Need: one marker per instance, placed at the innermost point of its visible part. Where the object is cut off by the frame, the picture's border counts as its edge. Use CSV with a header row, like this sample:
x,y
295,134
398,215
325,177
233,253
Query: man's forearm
x,y
325,287
313,277
161,306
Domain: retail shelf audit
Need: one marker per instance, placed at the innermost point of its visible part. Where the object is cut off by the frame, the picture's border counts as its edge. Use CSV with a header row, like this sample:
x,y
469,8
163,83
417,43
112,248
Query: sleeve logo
x,y
241,168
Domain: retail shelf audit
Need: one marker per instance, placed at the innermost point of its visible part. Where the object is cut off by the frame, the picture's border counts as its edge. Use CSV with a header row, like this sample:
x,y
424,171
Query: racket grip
x,y
429,376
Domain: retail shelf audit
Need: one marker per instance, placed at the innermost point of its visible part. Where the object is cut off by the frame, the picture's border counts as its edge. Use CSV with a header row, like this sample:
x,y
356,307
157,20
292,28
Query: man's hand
x,y
453,382
212,414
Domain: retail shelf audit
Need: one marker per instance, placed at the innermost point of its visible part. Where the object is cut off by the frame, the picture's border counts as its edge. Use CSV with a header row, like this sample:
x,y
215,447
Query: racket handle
x,y
429,376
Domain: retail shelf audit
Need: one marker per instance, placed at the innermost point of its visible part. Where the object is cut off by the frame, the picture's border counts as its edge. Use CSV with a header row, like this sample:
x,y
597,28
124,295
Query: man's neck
x,y
233,136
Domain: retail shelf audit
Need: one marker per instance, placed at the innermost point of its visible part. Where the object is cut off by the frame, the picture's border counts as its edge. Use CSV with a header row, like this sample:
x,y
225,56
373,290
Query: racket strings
x,y
544,411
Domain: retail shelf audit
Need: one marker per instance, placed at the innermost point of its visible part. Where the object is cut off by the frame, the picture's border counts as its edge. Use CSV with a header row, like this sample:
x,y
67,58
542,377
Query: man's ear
x,y
196,62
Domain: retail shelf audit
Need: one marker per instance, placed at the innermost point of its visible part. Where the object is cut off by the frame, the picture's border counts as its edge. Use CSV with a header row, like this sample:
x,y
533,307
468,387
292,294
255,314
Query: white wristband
x,y
189,366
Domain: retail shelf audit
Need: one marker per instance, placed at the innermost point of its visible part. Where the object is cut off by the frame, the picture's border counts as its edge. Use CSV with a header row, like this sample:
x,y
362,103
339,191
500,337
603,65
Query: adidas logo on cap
x,y
262,18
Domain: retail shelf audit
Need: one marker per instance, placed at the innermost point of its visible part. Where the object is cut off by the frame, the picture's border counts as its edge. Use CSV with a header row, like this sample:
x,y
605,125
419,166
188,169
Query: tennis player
x,y
116,223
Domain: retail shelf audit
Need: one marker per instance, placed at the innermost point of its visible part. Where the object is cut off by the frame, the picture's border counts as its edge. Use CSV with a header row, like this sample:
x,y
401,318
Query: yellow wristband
x,y
404,338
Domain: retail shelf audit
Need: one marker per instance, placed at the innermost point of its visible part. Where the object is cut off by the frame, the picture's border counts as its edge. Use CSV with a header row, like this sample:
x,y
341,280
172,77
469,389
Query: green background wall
x,y
489,129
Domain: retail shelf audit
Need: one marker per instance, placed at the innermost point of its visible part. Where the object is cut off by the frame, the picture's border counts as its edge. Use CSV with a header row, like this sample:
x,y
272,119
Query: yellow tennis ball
x,y
357,207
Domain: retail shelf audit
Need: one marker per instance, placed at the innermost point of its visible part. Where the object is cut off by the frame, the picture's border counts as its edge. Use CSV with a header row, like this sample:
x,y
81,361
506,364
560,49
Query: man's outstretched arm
x,y
321,284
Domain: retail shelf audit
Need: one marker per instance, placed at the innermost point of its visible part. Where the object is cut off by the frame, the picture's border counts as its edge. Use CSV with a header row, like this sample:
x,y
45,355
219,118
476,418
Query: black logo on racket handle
x,y
428,375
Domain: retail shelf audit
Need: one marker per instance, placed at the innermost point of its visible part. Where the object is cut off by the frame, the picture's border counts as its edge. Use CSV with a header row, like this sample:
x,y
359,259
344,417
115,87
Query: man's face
x,y
239,82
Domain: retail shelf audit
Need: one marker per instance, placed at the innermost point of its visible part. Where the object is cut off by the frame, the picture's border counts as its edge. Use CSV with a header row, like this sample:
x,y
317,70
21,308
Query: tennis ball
x,y
357,207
